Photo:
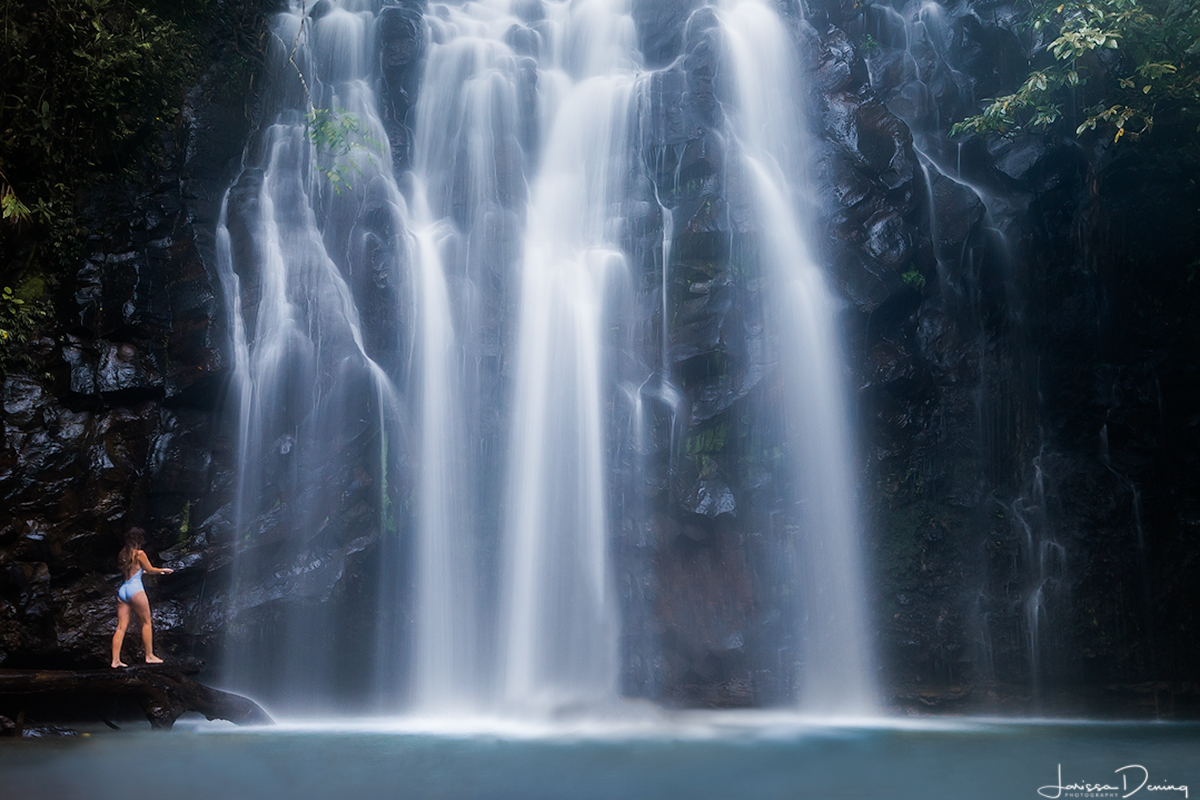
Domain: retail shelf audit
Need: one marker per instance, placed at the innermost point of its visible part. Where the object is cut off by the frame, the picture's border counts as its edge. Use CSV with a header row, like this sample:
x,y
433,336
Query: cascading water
x,y
835,675
560,618
429,365
316,411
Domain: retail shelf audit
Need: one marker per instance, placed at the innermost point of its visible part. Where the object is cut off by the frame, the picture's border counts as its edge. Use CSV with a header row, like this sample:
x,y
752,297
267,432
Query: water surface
x,y
685,756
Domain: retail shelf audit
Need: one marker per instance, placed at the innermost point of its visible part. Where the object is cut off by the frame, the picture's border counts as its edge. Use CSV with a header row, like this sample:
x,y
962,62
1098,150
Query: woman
x,y
131,595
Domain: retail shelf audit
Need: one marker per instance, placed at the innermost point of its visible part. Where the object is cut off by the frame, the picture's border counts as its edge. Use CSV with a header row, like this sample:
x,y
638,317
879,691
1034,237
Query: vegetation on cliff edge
x,y
91,94
1115,66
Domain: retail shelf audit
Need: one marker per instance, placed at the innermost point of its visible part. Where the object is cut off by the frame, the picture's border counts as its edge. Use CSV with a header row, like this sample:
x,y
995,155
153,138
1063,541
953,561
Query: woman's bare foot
x,y
153,660
116,664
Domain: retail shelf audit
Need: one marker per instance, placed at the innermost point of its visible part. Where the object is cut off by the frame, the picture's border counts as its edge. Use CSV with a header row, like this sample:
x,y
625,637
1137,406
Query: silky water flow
x,y
427,359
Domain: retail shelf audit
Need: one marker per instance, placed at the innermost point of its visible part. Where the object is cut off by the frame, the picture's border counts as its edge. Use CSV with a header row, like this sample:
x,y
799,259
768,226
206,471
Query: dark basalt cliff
x,y
117,420
1029,415
1020,329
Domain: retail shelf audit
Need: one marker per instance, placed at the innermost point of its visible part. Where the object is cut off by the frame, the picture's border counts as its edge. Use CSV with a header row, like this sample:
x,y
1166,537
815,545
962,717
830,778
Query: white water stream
x,y
774,152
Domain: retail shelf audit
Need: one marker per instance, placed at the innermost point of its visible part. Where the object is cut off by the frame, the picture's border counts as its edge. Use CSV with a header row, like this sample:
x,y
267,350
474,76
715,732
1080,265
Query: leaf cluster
x,y
11,207
23,311
337,134
1120,64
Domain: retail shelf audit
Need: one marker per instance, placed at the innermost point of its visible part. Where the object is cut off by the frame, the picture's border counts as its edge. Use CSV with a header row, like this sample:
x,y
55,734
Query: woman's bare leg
x,y
142,606
119,636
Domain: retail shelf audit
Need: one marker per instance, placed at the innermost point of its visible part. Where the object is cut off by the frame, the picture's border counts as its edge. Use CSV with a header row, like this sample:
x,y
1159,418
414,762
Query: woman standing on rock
x,y
133,562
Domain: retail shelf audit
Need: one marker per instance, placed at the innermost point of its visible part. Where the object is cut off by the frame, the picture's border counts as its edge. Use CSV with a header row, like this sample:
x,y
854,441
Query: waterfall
x,y
307,234
559,614
773,150
432,357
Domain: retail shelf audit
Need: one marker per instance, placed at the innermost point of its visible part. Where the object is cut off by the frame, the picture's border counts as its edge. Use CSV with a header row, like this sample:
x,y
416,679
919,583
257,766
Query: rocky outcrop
x,y
116,422
163,693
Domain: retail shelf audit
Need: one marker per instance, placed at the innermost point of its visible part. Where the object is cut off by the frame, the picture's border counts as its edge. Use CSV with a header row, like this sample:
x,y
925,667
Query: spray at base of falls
x,y
464,429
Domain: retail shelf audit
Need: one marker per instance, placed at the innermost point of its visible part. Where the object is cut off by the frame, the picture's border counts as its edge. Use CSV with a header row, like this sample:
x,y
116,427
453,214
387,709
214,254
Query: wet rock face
x,y
867,178
148,309
116,424
706,607
401,40
989,507
1027,320
661,27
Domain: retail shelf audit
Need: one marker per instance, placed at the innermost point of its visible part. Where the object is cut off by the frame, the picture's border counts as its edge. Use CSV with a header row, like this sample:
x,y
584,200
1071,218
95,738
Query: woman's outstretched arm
x,y
144,563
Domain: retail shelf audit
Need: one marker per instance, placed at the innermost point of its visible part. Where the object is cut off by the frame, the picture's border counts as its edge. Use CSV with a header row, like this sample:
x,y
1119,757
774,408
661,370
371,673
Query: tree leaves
x,y
337,135
83,85
1124,62
11,208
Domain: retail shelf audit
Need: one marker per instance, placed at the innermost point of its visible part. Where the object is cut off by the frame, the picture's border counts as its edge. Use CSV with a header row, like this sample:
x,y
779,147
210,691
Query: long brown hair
x,y
133,542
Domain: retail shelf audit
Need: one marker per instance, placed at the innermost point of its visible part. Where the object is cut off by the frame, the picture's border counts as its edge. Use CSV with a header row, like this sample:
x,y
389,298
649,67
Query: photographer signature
x,y
1132,775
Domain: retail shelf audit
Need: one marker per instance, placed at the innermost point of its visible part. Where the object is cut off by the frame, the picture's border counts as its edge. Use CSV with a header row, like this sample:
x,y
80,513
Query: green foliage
x,y
83,80
869,45
11,208
913,279
338,135
89,92
1119,63
708,440
90,88
333,131
23,311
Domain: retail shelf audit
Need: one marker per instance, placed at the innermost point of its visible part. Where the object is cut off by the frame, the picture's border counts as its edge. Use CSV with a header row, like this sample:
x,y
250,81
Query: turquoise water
x,y
703,756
